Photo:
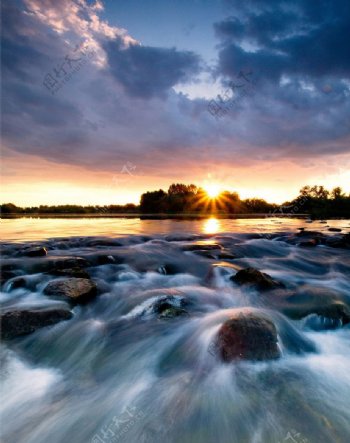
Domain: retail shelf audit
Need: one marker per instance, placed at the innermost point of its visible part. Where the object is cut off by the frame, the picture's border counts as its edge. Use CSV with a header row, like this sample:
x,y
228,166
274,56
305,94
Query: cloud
x,y
121,106
289,37
146,71
298,54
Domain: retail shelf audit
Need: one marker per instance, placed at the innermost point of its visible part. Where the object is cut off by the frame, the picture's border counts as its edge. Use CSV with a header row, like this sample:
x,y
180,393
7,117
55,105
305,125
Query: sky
x,y
104,100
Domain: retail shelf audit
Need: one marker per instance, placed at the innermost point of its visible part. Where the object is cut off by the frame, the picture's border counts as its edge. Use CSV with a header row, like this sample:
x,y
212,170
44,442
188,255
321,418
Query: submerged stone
x,y
227,255
309,243
253,277
21,322
169,269
329,316
17,282
339,241
169,307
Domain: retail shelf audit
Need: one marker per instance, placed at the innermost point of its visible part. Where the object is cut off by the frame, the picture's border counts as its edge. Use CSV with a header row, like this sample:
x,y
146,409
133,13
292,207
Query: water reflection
x,y
211,226
25,228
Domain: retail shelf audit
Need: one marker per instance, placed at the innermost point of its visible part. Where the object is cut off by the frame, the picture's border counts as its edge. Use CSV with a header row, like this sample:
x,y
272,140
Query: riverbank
x,y
158,216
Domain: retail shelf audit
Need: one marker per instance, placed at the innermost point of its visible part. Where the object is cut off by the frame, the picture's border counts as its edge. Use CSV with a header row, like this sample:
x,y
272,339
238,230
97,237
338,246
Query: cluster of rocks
x,y
72,284
246,335
307,238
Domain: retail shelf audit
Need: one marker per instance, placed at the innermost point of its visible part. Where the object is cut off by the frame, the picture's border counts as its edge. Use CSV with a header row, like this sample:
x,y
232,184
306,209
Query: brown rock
x,y
21,322
78,290
247,336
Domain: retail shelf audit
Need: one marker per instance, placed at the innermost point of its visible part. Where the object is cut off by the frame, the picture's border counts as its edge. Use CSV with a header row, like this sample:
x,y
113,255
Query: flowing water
x,y
116,372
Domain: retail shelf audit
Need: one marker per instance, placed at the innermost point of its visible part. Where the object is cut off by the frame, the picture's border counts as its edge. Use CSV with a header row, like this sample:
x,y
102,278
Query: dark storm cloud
x,y
290,37
300,55
146,71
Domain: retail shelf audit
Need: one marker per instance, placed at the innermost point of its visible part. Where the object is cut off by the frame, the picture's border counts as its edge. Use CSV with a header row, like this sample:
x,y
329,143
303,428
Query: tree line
x,y
10,208
180,198
315,201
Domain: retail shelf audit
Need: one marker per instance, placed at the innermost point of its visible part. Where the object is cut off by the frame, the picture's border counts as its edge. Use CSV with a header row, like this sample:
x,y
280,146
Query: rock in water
x,y
342,241
168,308
38,251
78,290
69,262
247,336
21,322
253,277
309,243
17,282
330,315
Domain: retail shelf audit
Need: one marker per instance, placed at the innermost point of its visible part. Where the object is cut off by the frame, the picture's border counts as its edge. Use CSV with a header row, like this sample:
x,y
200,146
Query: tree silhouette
x,y
316,201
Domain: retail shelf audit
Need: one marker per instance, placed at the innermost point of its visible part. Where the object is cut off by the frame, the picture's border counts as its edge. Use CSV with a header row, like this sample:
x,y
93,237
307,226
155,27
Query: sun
x,y
212,190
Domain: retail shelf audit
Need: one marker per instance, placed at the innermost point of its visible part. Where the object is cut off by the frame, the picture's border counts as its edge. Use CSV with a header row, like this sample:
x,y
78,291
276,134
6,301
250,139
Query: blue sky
x,y
104,100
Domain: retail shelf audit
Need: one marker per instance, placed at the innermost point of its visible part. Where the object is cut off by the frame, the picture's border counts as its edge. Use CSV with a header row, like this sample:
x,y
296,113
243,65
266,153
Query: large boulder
x,y
77,290
247,336
255,278
21,322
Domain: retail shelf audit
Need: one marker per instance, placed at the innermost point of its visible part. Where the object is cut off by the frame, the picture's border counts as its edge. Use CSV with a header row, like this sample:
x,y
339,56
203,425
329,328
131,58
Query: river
x,y
116,372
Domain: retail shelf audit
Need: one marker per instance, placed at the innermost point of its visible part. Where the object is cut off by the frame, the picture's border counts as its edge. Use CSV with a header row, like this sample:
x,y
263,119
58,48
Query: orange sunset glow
x,y
30,181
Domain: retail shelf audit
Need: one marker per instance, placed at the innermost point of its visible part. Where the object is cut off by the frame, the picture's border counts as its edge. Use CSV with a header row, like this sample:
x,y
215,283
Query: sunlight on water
x,y
34,228
211,226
